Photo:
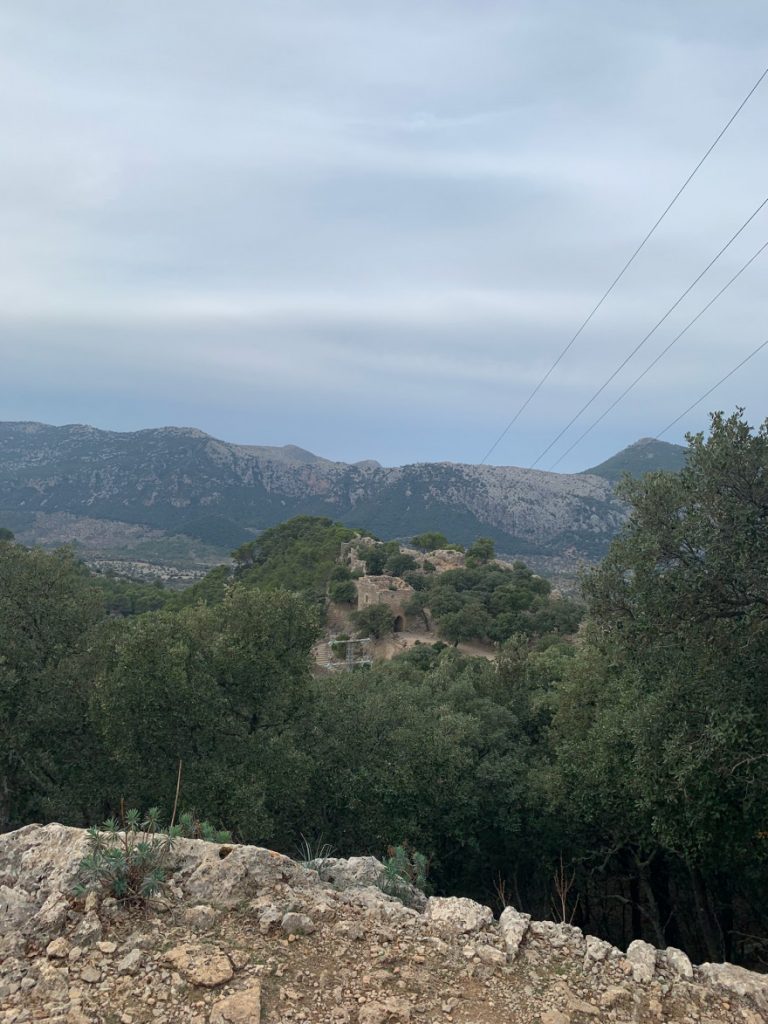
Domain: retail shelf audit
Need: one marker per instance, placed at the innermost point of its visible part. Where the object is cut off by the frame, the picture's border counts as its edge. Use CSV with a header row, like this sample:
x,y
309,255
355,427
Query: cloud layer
x,y
369,228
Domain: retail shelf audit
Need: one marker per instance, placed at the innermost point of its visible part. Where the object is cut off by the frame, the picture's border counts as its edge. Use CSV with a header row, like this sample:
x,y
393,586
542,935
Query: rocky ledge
x,y
249,935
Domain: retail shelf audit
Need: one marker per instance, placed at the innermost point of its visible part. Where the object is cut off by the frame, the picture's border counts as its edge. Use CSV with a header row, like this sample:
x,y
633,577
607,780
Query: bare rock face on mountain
x,y
219,952
60,483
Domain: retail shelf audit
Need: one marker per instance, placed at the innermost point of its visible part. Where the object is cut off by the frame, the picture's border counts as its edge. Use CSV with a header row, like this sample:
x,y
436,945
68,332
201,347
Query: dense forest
x,y
613,772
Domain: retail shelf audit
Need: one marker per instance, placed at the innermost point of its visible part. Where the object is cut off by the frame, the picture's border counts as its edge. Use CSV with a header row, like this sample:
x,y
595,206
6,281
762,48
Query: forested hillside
x,y
619,771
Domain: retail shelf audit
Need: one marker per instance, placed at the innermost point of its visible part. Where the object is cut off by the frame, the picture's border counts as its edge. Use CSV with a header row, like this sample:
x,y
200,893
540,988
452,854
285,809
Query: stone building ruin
x,y
390,591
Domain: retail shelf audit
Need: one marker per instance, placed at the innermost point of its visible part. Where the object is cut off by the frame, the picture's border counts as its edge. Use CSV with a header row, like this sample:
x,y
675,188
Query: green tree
x,y
216,688
342,591
482,551
376,556
377,620
471,622
430,541
48,604
6,535
398,563
668,695
300,554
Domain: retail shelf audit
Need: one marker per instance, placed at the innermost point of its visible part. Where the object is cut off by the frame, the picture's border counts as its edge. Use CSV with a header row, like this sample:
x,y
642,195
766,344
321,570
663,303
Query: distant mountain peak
x,y
640,457
174,485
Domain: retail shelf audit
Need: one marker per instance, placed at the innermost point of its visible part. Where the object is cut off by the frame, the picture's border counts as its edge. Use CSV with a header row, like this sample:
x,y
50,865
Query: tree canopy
x,y
634,753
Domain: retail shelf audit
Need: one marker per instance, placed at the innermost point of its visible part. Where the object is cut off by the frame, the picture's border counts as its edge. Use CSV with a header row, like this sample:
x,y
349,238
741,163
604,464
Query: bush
x,y
376,556
430,541
377,620
190,827
481,552
399,563
343,591
404,870
130,864
131,860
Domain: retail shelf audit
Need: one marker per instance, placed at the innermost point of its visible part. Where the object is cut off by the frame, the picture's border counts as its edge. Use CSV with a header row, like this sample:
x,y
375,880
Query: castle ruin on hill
x,y
390,591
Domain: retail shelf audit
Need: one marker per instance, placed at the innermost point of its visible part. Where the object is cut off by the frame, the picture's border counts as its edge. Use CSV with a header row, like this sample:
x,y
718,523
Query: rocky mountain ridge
x,y
61,482
248,935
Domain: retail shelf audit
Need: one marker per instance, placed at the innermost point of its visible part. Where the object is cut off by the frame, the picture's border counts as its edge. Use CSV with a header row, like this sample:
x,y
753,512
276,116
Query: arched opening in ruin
x,y
398,624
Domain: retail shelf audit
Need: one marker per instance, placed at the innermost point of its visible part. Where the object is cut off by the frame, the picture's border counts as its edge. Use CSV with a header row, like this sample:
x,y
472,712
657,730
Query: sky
x,y
369,228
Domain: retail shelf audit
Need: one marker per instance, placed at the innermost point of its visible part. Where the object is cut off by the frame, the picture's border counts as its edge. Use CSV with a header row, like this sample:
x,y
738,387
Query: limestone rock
x,y
52,984
550,934
49,920
458,914
362,872
88,932
353,930
613,995
57,949
297,924
598,950
381,1012
737,980
513,925
554,1016
269,919
130,963
642,957
241,1008
242,873
354,873
200,917
677,962
207,967
491,956
43,859
16,908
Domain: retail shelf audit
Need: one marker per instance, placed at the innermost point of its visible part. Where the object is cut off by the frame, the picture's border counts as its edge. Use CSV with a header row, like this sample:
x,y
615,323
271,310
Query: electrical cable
x,y
624,269
714,387
660,356
652,331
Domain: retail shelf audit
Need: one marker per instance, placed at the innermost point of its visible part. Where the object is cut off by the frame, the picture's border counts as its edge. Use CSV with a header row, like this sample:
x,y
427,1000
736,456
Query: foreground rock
x,y
251,936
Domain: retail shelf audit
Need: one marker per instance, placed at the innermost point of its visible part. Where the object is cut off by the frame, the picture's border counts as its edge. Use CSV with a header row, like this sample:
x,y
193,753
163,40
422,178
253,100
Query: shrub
x,y
398,563
430,541
342,591
376,620
314,854
131,863
190,827
404,870
130,860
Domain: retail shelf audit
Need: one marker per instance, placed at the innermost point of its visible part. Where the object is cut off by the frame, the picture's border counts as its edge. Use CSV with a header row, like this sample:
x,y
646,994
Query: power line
x,y
652,331
714,387
660,356
623,270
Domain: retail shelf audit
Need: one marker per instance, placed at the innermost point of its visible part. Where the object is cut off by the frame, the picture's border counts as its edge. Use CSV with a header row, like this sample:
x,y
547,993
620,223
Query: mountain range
x,y
178,494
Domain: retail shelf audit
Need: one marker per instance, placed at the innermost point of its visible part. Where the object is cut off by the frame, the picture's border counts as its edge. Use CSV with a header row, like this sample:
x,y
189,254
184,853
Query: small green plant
x,y
130,858
313,854
404,870
190,827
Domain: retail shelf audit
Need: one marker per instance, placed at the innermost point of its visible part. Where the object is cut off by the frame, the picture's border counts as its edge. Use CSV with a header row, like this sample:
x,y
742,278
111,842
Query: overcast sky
x,y
367,228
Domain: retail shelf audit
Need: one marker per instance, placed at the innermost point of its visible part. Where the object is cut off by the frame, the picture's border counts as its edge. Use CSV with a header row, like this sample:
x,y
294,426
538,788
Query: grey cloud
x,y
261,217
